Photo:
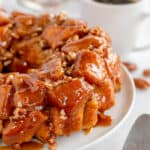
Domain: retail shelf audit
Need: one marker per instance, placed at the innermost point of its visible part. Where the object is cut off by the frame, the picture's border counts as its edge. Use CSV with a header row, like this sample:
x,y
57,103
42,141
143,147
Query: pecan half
x,y
130,66
146,72
141,83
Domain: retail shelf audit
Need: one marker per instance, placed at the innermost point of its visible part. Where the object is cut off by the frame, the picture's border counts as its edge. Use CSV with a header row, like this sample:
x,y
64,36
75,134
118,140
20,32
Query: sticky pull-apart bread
x,y
58,76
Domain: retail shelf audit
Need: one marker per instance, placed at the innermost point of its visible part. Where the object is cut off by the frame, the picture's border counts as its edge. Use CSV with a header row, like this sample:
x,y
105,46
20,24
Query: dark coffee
x,y
117,1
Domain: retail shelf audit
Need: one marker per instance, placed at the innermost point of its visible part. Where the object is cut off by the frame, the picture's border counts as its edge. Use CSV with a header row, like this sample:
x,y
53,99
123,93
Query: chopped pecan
x,y
100,32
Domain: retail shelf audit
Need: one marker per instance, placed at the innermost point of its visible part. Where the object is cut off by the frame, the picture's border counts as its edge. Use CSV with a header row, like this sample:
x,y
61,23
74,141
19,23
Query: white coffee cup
x,y
121,21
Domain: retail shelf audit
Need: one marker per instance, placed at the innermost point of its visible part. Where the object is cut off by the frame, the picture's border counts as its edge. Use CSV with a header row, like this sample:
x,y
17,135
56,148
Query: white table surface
x,y
142,99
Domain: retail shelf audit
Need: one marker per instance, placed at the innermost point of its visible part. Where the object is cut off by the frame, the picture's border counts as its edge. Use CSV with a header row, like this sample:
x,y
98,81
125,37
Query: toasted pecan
x,y
141,83
130,66
146,72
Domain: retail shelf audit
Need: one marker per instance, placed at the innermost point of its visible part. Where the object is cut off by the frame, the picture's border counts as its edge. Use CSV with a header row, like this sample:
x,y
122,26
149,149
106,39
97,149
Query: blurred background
x,y
73,9
39,6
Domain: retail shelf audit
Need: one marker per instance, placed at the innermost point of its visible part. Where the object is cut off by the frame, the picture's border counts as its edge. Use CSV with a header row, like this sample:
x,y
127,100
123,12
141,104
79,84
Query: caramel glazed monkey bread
x,y
58,76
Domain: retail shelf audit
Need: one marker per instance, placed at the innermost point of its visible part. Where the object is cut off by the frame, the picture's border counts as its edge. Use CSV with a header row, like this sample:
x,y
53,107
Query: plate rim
x,y
92,143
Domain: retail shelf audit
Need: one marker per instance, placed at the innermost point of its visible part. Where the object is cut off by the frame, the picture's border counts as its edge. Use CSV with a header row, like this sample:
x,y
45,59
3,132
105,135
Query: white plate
x,y
119,113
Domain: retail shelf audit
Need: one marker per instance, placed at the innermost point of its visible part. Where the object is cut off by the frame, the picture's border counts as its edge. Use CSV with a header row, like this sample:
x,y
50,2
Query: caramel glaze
x,y
26,146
